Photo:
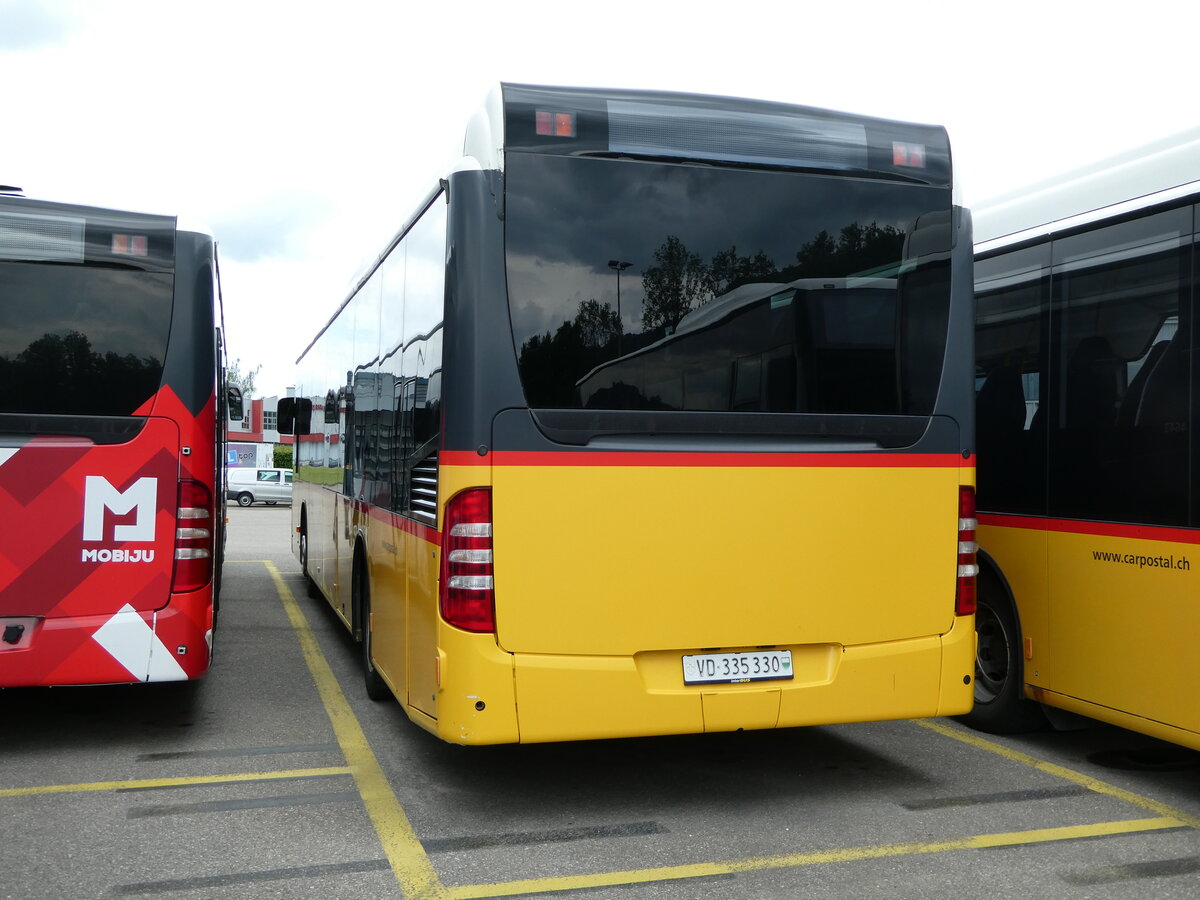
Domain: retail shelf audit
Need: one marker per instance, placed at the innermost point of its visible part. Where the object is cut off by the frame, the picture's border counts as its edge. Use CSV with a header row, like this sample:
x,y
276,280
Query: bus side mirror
x,y
233,401
295,415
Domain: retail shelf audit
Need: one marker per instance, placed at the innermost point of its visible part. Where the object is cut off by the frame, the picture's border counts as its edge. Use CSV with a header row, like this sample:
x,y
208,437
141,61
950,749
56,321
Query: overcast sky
x,y
303,134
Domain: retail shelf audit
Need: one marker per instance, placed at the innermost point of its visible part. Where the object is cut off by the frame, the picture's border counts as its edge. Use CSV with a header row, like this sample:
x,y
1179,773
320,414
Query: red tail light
x,y
193,538
968,567
467,593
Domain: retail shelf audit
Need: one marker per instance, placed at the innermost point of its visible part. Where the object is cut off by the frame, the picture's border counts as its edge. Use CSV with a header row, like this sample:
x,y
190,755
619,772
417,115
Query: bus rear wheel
x,y
310,586
1000,704
377,688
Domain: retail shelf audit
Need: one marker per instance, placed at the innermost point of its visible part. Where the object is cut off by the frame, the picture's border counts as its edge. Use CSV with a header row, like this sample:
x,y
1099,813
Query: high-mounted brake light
x,y
911,156
130,245
968,566
555,124
467,595
193,538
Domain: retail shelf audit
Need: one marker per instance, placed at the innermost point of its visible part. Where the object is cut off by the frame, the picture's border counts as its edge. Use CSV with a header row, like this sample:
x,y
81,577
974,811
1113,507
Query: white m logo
x,y
99,495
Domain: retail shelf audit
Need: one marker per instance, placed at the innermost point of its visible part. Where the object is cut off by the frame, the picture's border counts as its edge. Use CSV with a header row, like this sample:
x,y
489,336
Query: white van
x,y
268,486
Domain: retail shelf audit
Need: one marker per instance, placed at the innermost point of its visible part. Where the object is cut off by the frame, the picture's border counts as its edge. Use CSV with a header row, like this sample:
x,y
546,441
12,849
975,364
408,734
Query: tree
x,y
728,270
551,364
819,256
674,286
61,372
858,249
597,323
233,375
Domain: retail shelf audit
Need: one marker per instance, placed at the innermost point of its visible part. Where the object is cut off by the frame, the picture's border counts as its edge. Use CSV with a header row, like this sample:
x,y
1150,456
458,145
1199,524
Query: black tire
x,y
1000,704
218,568
377,688
310,586
245,498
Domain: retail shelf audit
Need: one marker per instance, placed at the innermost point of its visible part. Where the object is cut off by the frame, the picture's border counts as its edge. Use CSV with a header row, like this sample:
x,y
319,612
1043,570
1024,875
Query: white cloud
x,y
29,26
305,134
270,227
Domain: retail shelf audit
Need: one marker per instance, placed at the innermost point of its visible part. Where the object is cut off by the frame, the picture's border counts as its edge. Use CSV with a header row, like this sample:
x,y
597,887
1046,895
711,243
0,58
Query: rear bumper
x,y
125,647
562,698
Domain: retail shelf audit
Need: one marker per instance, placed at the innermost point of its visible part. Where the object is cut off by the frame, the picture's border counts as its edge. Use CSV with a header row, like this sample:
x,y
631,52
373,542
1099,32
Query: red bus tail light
x,y
193,538
467,596
968,566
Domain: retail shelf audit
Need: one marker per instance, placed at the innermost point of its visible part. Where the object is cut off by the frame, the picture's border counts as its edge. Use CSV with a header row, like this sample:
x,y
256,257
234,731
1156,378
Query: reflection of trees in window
x,y
62,374
553,363
858,249
598,323
679,282
727,270
673,286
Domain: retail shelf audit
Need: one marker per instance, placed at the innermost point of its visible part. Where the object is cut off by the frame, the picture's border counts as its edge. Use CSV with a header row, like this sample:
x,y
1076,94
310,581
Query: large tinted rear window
x,y
85,310
643,285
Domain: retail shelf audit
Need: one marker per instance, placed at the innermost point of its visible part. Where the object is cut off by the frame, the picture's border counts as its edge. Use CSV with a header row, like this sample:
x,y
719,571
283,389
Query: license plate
x,y
734,668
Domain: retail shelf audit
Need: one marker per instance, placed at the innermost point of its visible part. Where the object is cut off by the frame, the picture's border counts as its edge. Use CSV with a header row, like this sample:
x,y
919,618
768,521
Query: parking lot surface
x,y
276,777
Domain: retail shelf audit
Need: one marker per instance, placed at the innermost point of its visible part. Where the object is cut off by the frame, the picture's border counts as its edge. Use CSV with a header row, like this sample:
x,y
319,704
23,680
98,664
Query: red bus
x,y
111,502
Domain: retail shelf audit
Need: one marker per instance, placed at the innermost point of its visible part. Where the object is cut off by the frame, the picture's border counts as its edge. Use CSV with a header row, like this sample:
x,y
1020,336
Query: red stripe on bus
x,y
1103,529
701,459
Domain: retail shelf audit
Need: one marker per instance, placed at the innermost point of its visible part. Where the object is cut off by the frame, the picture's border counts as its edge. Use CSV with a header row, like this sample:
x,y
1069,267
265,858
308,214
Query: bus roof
x,y
1154,173
837,136
701,127
18,198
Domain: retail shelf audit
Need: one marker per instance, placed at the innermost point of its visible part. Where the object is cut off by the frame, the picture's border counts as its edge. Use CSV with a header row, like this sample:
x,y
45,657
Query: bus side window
x,y
1091,389
1163,405
1000,407
1119,444
405,441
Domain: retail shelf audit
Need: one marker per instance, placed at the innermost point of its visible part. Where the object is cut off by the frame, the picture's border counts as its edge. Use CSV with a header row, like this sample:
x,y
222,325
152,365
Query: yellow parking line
x,y
404,852
1092,784
795,860
183,781
417,878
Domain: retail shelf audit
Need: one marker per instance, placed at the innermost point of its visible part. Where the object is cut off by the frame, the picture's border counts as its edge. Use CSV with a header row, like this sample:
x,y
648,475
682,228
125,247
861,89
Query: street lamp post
x,y
619,266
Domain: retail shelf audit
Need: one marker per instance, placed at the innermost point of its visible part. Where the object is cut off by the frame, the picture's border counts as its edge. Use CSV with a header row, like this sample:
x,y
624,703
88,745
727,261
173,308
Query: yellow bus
x,y
656,417
1089,589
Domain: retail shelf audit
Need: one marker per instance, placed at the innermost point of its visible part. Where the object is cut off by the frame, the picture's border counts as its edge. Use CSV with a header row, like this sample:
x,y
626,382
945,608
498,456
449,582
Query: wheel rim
x,y
992,655
304,552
